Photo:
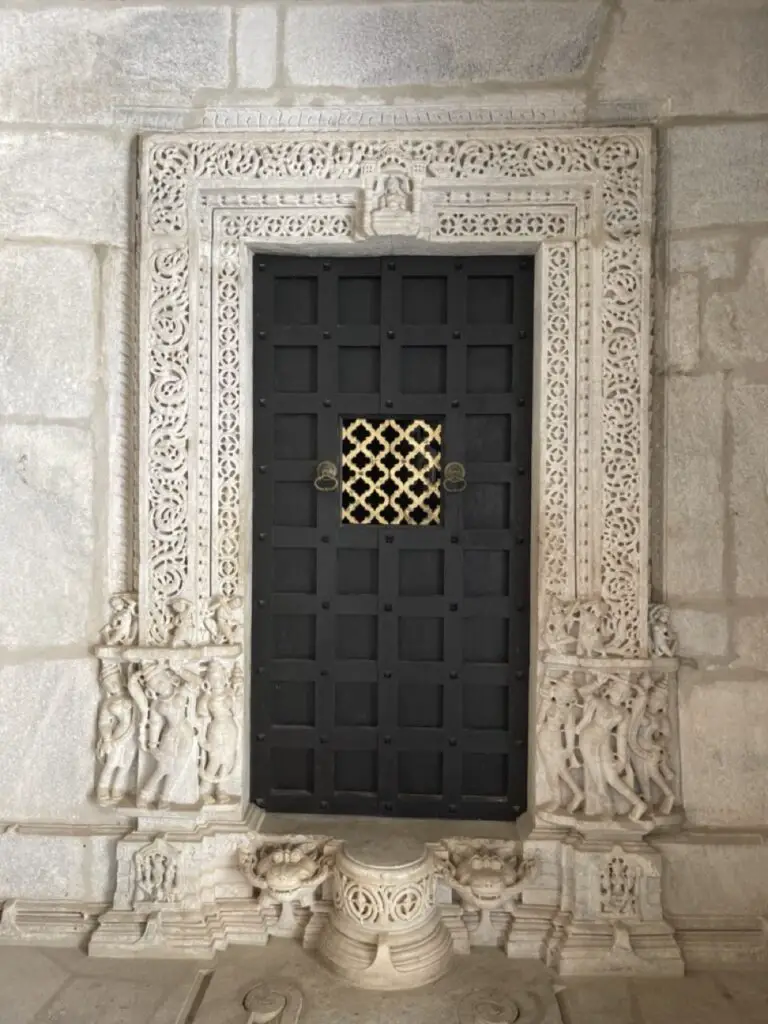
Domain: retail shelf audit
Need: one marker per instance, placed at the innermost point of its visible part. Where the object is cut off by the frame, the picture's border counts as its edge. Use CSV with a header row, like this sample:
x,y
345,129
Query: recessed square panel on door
x,y
392,453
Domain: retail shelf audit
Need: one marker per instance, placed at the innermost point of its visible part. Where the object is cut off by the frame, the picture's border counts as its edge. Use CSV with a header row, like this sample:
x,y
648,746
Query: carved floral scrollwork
x,y
408,185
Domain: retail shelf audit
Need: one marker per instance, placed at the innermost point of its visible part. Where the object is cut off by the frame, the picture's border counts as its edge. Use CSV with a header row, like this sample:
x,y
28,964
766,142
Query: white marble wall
x,y
78,81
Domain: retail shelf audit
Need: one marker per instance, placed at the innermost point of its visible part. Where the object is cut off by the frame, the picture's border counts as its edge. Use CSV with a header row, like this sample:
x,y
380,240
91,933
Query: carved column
x,y
606,734
169,754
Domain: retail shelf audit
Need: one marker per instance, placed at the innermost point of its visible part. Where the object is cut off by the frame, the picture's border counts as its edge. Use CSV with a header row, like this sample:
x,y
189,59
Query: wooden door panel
x,y
390,633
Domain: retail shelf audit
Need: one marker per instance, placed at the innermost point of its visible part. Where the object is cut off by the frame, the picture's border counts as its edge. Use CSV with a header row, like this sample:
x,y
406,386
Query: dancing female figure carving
x,y
556,739
603,741
219,730
649,735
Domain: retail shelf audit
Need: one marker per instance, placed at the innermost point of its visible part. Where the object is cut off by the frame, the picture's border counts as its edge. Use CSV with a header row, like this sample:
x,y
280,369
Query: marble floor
x,y
283,984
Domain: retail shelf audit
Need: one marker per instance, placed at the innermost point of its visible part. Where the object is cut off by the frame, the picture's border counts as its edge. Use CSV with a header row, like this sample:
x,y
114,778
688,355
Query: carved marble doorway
x,y
391,578
579,884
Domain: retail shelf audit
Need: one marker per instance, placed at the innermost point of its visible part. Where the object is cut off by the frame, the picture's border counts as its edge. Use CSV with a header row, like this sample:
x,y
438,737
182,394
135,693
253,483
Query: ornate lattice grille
x,y
390,472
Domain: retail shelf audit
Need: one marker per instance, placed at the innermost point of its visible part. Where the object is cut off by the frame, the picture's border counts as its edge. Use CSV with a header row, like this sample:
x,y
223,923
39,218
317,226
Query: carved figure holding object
x,y
219,730
182,629
168,727
123,626
117,744
224,619
556,739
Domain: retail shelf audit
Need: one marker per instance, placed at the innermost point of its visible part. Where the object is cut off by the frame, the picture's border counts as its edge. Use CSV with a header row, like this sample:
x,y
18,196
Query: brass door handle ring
x,y
454,478
326,477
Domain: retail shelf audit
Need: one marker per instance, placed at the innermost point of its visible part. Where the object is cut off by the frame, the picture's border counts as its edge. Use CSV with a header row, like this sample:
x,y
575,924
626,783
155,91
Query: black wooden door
x,y
392,457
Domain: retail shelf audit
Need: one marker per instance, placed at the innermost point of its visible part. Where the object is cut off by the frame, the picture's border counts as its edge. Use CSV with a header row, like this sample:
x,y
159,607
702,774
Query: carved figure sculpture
x,y
396,211
619,885
649,736
556,740
157,873
288,874
284,872
223,619
219,730
486,874
663,640
590,640
123,626
557,633
182,628
392,197
117,743
167,730
603,741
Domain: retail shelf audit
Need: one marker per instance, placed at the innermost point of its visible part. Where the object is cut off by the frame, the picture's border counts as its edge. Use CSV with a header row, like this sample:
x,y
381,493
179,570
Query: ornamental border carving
x,y
578,199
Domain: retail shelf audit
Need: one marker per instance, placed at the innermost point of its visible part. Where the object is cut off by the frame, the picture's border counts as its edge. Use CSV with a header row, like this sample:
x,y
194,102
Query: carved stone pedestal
x,y
175,896
385,930
611,918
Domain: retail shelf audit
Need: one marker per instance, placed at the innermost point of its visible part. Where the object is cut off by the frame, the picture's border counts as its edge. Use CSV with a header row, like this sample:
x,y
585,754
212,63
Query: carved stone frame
x,y
580,200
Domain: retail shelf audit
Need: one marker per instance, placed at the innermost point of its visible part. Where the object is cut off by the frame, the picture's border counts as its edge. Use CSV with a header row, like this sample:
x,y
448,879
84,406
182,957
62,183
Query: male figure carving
x,y
117,744
167,730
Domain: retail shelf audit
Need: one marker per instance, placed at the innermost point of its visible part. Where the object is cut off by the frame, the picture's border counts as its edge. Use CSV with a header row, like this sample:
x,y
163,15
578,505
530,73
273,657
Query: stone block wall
x,y
79,81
